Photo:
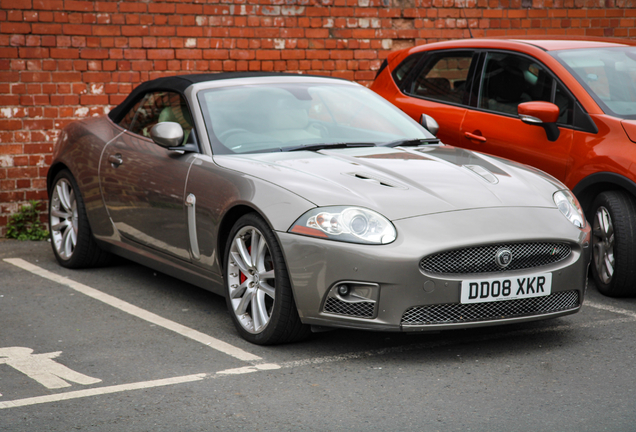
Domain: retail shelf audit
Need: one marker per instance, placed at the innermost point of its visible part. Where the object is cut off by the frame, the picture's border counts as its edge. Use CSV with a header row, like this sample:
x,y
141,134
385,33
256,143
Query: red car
x,y
565,106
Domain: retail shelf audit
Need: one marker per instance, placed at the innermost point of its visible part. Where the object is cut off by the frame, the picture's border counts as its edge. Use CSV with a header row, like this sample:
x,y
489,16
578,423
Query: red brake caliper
x,y
242,277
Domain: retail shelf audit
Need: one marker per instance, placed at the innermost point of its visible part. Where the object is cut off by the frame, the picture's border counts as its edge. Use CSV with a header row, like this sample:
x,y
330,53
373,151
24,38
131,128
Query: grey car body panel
x,y
398,183
316,265
435,199
79,148
219,189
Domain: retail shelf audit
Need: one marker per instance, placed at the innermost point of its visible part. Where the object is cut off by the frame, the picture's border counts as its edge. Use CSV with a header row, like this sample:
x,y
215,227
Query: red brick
x,y
77,29
52,29
135,30
8,52
13,27
10,149
7,125
88,53
106,30
161,54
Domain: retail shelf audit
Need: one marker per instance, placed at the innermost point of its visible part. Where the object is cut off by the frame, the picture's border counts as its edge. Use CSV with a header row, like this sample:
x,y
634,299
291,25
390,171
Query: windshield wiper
x,y
410,142
316,147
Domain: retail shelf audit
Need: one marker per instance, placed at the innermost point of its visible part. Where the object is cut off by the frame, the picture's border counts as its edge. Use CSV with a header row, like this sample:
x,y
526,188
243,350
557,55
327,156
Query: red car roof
x,y
556,44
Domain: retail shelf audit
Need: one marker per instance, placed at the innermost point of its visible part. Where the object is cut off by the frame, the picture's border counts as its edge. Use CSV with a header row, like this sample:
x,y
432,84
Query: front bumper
x,y
389,277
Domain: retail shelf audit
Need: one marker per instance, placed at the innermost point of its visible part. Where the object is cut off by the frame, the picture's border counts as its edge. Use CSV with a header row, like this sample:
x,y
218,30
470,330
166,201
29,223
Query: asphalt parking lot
x,y
128,348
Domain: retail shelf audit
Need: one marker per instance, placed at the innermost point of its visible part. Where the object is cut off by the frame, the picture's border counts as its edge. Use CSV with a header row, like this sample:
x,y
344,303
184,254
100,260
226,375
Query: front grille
x,y
481,259
358,309
462,313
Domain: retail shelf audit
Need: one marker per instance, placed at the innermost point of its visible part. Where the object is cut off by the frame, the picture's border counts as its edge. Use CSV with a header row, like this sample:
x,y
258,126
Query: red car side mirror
x,y
539,113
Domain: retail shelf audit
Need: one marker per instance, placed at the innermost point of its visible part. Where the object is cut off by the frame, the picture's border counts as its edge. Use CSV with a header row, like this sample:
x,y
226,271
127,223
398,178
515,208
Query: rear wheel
x,y
614,243
258,290
71,236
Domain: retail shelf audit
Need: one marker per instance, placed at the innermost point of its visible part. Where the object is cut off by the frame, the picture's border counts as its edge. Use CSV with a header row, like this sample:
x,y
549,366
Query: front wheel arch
x,y
591,186
227,222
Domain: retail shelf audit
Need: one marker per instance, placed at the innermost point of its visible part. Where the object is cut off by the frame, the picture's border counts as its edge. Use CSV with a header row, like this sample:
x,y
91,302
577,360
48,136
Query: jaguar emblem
x,y
503,257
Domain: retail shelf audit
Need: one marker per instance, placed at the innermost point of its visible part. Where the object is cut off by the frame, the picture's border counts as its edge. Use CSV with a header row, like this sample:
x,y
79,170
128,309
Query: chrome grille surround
x,y
357,309
451,313
481,259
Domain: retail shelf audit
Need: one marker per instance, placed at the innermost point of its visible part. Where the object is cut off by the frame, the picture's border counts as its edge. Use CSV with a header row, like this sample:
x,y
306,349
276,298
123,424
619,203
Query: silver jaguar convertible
x,y
311,202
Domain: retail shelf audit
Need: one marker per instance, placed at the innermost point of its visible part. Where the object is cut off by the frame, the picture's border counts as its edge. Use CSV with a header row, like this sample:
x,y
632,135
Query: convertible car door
x,y
142,184
494,126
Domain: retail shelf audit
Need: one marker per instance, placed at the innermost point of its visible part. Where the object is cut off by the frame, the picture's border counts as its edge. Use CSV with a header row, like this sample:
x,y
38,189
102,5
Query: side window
x,y
407,65
130,116
160,107
509,79
565,102
444,77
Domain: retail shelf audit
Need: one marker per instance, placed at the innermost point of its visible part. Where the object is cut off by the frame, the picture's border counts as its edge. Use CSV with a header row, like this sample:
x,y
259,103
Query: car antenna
x,y
467,23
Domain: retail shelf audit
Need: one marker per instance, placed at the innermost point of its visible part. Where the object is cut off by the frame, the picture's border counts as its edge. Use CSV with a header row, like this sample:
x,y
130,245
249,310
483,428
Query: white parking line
x,y
214,343
300,363
610,309
100,391
133,386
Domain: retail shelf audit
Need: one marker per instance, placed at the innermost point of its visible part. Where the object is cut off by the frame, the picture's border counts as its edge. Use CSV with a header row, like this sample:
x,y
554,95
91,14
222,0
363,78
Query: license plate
x,y
492,290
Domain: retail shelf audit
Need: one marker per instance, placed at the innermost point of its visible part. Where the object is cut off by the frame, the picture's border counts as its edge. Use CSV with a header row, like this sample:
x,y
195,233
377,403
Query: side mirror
x,y
429,123
544,114
167,134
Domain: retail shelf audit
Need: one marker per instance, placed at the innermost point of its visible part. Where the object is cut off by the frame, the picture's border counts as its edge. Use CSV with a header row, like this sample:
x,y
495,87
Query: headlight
x,y
570,207
348,224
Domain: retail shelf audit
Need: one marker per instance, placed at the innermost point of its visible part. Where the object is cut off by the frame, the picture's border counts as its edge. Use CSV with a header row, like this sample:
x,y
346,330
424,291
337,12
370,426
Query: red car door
x,y
493,126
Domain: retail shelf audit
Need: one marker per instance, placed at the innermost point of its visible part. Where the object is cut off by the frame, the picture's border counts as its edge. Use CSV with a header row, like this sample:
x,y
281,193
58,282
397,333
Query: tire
x,y
258,291
71,235
614,244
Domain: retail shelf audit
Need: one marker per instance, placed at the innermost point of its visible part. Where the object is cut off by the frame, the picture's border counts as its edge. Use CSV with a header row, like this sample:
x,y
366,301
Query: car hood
x,y
401,182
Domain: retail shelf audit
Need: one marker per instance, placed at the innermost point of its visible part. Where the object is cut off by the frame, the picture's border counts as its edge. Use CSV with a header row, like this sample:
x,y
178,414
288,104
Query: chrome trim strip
x,y
191,203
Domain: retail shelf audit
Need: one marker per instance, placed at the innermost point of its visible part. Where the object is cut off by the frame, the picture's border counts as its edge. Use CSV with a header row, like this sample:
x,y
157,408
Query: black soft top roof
x,y
179,83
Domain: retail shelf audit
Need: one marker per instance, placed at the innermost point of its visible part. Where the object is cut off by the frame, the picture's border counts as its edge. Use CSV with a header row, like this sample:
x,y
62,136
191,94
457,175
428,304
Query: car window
x,y
159,107
127,120
509,79
565,102
274,117
608,74
443,77
407,65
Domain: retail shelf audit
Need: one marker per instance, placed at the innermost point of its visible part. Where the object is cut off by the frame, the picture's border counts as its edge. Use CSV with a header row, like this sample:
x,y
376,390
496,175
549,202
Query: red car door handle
x,y
472,136
115,160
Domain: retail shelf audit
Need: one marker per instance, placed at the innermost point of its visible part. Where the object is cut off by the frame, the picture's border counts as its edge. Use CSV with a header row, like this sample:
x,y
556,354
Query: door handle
x,y
475,137
115,160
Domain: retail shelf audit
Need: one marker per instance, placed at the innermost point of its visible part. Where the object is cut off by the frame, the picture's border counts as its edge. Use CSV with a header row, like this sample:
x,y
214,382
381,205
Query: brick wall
x,y
62,60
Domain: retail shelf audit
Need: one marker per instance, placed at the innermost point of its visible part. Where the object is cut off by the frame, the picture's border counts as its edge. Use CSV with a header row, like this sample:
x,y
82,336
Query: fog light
x,y
343,290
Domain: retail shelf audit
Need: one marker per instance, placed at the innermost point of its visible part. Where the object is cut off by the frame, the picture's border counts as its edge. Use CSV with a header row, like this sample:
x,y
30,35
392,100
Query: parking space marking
x,y
299,363
138,312
610,309
249,369
42,368
101,391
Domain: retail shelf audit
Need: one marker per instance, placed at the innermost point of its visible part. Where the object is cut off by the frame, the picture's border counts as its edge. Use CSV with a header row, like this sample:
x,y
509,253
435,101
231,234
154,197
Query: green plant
x,y
26,225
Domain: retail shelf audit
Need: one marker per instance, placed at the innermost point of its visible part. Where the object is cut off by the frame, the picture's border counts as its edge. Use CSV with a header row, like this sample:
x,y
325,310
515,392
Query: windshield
x,y
285,116
608,74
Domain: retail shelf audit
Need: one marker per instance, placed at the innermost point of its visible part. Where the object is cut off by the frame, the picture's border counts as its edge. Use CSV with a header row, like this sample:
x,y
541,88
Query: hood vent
x,y
376,180
483,173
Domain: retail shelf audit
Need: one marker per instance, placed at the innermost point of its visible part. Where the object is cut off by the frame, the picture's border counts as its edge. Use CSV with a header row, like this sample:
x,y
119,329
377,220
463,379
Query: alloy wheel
x,y
64,219
603,244
251,279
